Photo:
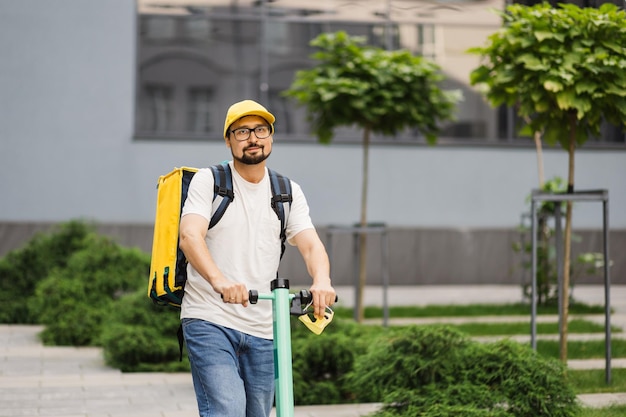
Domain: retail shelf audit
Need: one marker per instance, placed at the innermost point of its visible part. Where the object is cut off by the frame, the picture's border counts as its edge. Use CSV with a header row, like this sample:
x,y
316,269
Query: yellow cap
x,y
247,108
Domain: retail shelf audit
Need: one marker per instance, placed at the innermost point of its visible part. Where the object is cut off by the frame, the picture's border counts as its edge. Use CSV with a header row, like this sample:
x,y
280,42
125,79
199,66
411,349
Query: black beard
x,y
251,160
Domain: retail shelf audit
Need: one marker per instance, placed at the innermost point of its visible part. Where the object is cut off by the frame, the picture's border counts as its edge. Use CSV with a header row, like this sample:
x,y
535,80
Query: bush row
x,y
87,290
69,280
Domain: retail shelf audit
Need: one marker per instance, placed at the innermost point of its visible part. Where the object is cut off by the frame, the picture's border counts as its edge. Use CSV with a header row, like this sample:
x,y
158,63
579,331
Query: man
x,y
230,346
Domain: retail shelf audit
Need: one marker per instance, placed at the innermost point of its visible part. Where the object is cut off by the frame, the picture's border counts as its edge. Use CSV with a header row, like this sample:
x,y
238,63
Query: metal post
x,y
558,242
607,292
591,195
533,297
356,244
385,273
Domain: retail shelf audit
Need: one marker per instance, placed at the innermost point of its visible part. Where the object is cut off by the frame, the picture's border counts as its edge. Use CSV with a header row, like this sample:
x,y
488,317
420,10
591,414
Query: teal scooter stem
x,y
284,304
283,374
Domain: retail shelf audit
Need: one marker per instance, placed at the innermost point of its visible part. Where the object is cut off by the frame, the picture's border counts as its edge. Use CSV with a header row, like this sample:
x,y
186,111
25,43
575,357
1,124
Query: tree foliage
x,y
558,67
383,91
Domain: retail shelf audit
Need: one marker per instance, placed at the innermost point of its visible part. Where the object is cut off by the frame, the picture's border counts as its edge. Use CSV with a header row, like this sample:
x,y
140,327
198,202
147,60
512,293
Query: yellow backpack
x,y
168,265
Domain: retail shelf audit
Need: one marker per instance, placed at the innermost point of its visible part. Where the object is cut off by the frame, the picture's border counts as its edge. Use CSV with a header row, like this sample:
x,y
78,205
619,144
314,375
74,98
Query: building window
x,y
200,110
193,61
198,28
157,106
158,28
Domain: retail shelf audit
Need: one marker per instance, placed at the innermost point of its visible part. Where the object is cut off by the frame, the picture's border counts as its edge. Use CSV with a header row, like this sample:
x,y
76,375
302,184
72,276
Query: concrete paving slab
x,y
602,400
345,410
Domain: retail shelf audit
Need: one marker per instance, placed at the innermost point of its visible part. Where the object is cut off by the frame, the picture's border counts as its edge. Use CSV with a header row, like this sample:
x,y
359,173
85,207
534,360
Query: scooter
x,y
284,305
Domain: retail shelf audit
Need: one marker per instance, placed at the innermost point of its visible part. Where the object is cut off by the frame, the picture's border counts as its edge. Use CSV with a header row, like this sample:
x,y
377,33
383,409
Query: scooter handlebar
x,y
305,296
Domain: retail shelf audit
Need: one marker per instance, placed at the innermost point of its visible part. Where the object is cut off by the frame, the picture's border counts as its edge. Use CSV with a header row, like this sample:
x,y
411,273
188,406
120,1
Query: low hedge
x,y
142,337
22,269
87,290
437,372
73,302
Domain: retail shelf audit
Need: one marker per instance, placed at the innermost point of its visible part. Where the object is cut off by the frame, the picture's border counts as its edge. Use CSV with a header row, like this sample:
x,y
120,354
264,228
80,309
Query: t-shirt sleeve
x,y
299,218
200,194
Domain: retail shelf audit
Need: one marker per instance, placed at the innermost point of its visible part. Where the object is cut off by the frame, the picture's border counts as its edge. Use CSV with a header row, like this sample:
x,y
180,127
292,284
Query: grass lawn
x,y
471,310
614,411
592,381
593,349
514,328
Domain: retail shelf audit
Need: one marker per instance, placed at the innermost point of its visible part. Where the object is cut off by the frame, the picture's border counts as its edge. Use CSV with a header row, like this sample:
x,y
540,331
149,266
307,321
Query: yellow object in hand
x,y
315,324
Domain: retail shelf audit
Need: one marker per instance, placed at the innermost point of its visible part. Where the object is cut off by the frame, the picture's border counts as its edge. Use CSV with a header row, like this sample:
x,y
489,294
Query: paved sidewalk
x,y
38,381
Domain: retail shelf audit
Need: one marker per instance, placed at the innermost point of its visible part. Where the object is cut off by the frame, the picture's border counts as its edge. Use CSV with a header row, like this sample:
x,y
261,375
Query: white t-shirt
x,y
245,245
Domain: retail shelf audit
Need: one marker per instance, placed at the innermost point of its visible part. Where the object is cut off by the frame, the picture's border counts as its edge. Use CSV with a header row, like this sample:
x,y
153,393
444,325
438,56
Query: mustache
x,y
254,145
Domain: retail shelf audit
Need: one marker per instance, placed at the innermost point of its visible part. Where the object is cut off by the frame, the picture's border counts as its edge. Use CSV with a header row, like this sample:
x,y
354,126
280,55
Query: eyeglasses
x,y
243,133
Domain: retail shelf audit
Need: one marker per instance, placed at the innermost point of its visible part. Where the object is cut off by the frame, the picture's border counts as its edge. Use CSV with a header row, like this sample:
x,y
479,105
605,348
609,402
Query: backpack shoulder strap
x,y
223,195
223,192
281,194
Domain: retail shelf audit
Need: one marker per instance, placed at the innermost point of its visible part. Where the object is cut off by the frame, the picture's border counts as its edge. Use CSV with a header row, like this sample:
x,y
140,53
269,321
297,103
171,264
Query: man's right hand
x,y
232,292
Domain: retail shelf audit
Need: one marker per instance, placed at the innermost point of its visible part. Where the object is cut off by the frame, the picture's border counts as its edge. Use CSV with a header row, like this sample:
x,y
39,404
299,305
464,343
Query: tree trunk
x,y
567,249
539,159
363,224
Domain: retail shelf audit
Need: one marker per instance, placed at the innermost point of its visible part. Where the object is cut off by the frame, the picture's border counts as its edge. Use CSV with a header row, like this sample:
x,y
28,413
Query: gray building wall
x,y
67,90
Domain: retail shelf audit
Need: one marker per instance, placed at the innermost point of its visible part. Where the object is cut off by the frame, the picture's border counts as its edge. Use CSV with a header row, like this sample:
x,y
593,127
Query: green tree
x,y
564,70
379,91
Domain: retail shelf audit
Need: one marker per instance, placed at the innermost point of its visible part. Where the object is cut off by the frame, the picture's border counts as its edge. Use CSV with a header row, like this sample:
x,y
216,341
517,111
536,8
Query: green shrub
x,y
407,359
320,363
437,402
72,302
436,371
22,269
141,336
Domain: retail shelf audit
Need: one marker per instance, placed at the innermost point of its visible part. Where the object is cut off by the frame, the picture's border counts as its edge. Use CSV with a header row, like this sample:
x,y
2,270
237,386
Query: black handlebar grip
x,y
306,297
253,296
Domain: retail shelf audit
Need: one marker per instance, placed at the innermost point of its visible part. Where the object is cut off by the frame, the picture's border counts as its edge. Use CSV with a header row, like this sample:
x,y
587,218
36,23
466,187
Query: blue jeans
x,y
233,373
